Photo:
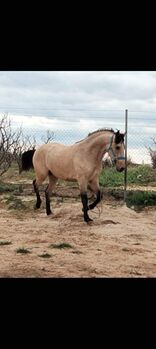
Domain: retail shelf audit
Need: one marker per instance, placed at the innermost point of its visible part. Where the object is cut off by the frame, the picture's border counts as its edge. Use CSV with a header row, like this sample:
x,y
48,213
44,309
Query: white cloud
x,y
78,89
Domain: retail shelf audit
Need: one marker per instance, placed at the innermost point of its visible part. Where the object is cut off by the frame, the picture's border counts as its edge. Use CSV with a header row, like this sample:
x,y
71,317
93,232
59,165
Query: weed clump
x,y
141,199
2,243
15,203
45,255
61,245
23,250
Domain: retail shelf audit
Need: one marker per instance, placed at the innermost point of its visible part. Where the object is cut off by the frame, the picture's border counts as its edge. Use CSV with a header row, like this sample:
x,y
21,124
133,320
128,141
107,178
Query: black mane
x,y
101,129
119,137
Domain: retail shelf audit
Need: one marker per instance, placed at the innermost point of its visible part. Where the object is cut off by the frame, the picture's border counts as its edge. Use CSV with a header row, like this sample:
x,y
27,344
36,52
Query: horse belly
x,y
60,163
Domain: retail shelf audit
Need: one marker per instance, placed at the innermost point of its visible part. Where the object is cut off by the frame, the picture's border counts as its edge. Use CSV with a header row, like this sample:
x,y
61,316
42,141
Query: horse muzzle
x,y
120,163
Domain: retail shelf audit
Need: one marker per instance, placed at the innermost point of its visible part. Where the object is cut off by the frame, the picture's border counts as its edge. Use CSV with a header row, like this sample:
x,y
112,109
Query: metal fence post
x,y
125,172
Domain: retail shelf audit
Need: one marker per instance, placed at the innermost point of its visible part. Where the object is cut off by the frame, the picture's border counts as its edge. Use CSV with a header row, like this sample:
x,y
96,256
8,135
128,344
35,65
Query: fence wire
x,y
141,131
71,125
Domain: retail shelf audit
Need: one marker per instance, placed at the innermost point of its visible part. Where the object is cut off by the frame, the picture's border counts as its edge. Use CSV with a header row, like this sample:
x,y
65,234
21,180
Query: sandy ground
x,y
119,243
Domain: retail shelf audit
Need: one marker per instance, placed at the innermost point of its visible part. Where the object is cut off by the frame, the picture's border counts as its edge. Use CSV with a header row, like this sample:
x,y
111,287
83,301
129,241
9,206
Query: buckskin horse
x,y
81,161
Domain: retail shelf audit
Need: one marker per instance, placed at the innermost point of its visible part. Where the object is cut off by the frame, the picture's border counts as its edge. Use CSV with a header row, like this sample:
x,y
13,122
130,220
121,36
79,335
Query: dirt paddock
x,y
118,243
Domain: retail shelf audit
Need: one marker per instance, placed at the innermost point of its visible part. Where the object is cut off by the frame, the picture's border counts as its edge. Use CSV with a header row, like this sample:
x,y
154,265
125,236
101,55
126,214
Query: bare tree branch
x,y
14,142
24,143
8,139
152,153
49,137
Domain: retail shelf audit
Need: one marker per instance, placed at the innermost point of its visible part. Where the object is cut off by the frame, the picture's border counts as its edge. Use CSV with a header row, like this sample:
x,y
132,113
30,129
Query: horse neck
x,y
98,144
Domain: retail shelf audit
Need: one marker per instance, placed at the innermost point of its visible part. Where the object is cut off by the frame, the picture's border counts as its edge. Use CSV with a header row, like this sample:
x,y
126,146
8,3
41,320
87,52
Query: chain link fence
x,y
141,136
68,130
70,126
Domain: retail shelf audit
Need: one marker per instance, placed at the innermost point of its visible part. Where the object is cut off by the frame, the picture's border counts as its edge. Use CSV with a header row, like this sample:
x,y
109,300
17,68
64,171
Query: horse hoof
x,y
36,207
49,212
88,219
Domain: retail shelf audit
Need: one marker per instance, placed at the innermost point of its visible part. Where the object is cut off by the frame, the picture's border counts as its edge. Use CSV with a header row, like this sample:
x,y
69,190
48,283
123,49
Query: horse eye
x,y
117,147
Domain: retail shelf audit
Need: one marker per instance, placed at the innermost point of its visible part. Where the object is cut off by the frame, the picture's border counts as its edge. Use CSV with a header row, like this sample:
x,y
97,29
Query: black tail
x,y
27,160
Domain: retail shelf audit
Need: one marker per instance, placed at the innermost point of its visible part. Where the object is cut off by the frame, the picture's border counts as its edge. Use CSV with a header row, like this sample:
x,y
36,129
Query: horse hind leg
x,y
50,186
36,182
36,190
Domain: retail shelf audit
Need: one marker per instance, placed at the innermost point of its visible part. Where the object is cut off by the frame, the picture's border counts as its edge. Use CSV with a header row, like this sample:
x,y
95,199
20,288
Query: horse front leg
x,y
94,185
84,200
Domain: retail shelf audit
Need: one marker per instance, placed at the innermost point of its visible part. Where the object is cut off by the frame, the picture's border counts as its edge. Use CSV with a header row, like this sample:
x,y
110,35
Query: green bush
x,y
141,174
8,187
15,203
141,198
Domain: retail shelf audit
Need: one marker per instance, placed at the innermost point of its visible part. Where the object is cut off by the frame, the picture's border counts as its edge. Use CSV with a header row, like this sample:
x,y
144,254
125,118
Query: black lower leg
x,y
38,202
84,200
48,210
98,199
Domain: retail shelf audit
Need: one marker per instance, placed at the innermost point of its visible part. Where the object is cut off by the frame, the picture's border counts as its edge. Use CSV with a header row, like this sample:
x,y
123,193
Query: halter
x,y
114,157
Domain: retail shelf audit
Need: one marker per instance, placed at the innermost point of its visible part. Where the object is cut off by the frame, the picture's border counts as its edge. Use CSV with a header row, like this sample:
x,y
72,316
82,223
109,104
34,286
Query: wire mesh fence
x,y
71,125
141,135
68,130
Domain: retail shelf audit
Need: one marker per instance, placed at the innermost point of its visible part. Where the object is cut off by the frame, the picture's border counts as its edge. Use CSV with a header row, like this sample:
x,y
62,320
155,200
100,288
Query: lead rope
x,y
99,207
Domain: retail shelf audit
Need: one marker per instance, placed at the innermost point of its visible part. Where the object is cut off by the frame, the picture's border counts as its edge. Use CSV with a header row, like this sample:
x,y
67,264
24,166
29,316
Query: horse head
x,y
117,150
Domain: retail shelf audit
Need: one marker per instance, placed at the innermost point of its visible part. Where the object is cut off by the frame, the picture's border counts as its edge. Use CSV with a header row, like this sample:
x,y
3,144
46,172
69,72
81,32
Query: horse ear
x,y
117,137
122,136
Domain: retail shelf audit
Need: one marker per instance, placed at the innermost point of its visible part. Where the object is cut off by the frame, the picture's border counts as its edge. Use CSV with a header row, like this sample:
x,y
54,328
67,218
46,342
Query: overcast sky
x,y
87,100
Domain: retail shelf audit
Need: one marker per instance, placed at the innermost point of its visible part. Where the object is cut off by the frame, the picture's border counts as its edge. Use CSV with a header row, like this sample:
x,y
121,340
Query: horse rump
x,y
27,163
